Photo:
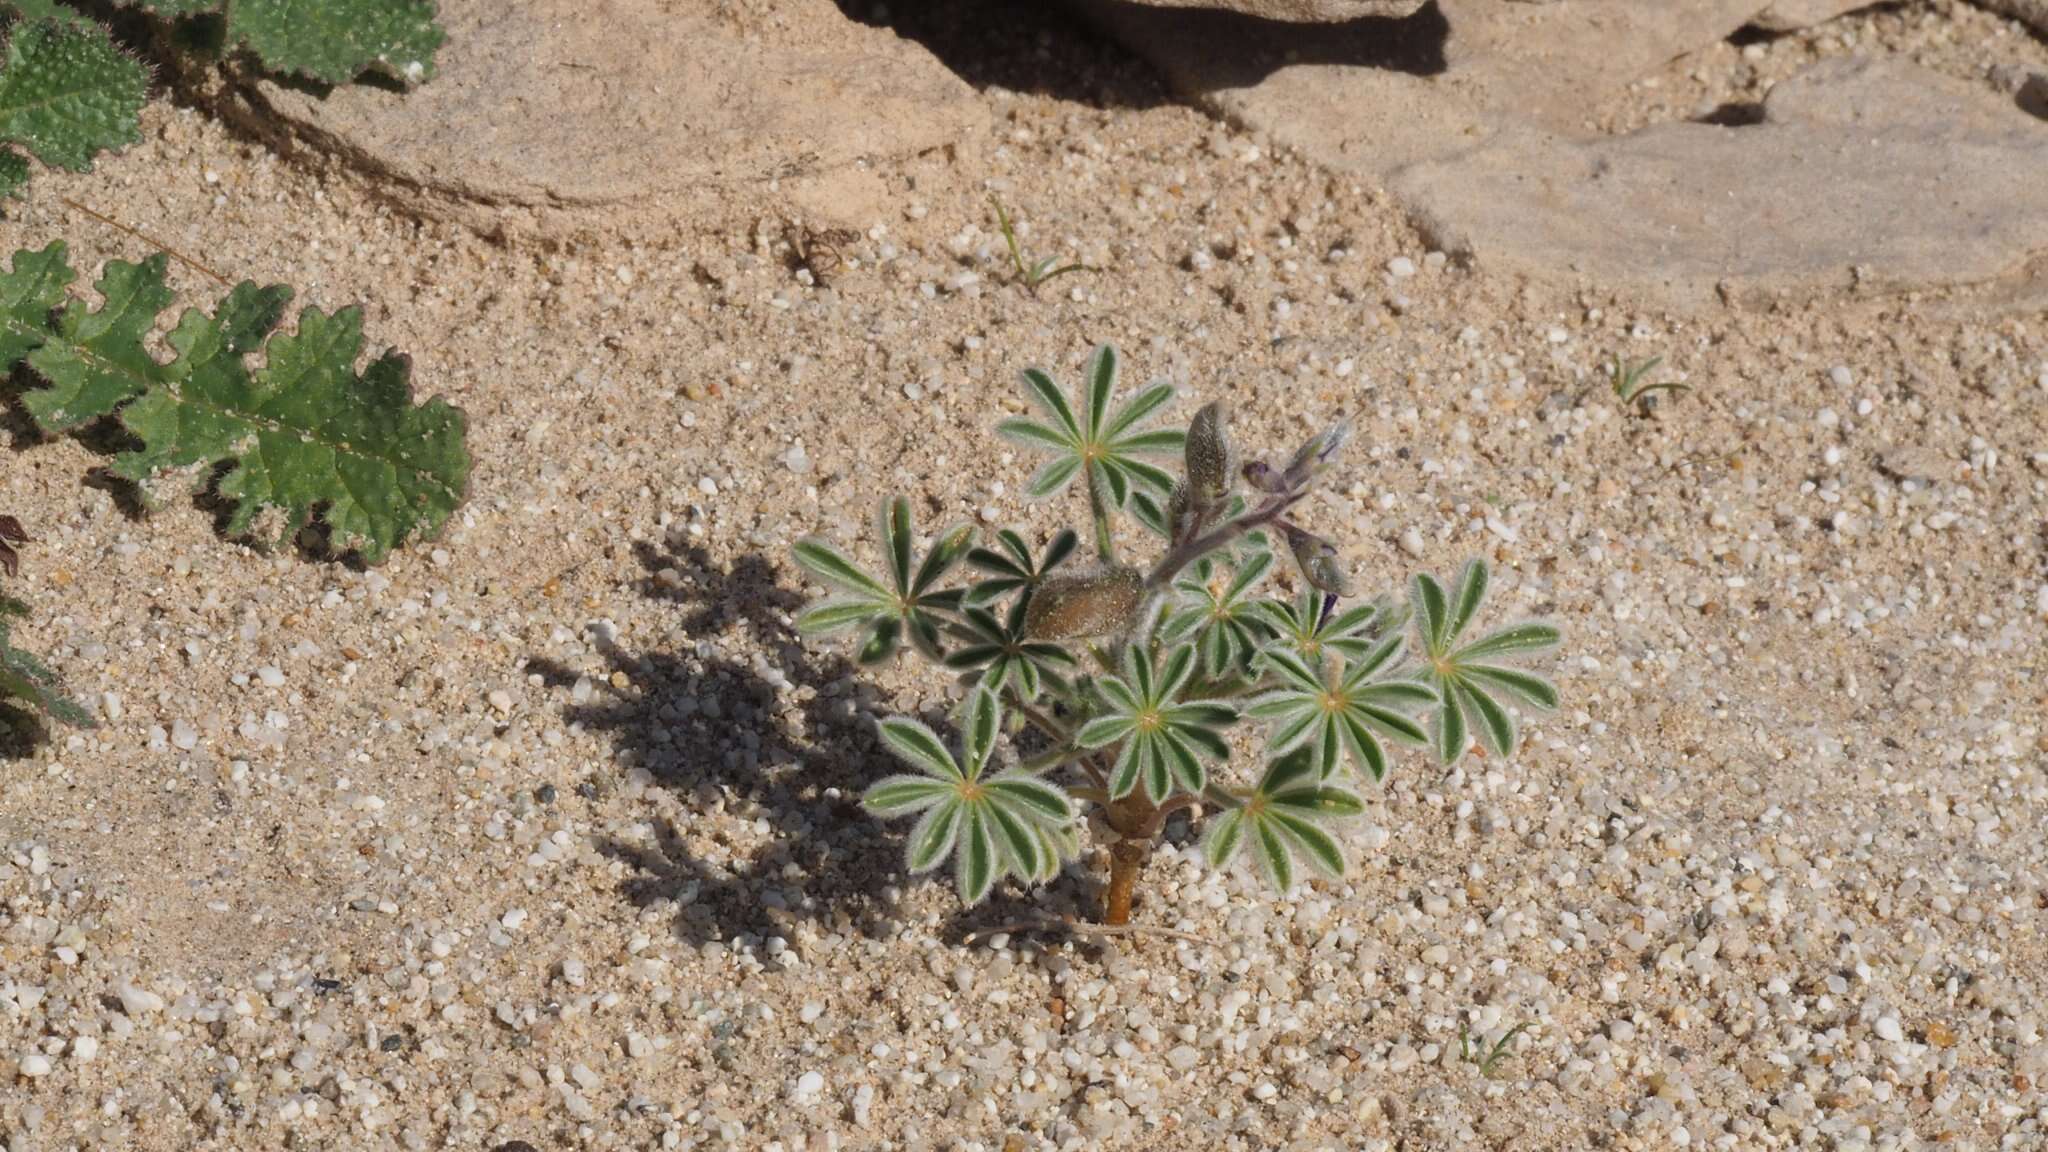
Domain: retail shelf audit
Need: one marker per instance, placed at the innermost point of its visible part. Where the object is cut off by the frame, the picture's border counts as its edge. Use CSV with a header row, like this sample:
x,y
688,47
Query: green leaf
x,y
1514,640
1432,608
1528,687
900,795
1101,374
1225,837
837,615
1030,794
899,540
1449,734
946,552
94,361
334,41
920,747
1318,845
67,93
306,433
882,641
1032,434
821,559
1053,477
1471,591
933,836
984,723
1135,410
305,436
974,870
1047,395
29,292
1016,838
171,9
13,173
1276,863
1496,727
24,678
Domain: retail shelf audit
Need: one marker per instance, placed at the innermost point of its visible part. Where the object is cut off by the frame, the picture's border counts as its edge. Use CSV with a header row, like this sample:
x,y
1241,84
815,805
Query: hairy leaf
x,y
306,435
334,41
66,94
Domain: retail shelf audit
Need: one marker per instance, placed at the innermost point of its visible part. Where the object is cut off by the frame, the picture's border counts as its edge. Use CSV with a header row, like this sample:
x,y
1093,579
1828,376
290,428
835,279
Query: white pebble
x,y
84,1048
1401,267
707,486
808,1088
1888,1029
514,919
34,1065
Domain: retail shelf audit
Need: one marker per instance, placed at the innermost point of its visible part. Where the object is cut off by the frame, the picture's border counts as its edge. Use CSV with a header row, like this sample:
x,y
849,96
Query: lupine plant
x,y
1124,687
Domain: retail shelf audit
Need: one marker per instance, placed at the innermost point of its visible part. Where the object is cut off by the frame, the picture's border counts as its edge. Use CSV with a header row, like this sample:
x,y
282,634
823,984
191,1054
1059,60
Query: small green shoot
x,y
1629,388
1031,272
1488,1057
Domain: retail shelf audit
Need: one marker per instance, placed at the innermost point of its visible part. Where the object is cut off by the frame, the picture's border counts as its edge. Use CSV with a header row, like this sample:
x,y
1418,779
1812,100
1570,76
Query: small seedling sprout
x,y
1031,272
1628,379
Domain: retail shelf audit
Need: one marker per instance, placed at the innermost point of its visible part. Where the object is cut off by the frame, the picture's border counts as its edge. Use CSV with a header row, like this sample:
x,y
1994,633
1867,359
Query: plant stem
x,y
1126,859
1187,552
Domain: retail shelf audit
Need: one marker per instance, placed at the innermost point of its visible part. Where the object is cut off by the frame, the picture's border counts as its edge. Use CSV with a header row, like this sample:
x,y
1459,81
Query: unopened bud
x,y
1318,560
1093,603
1209,458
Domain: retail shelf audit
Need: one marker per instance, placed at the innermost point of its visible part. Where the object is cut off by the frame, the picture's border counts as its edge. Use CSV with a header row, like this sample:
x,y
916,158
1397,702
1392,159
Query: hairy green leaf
x,y
305,436
334,41
67,93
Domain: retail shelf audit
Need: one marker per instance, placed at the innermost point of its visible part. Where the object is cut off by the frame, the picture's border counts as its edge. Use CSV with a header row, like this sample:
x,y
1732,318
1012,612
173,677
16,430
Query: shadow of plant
x,y
792,757
744,720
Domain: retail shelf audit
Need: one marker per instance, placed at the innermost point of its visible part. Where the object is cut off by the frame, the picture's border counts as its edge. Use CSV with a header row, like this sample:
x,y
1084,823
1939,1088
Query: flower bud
x,y
1209,463
1094,603
1318,560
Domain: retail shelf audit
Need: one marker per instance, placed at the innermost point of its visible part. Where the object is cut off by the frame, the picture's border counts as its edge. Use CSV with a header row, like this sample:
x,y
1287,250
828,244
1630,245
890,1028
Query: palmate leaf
x,y
1282,823
1010,823
1216,616
1339,710
1010,567
1475,681
1162,741
66,92
906,598
305,436
1004,653
1088,438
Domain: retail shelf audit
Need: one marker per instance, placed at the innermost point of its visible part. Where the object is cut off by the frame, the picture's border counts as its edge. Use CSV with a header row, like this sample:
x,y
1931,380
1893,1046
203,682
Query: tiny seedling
x,y
1118,683
1488,1056
1629,386
1032,273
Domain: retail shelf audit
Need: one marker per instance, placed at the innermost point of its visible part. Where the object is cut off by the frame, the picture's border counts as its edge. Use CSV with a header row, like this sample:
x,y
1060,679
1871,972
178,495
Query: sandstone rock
x,y
1789,15
1299,11
2031,12
1863,175
560,113
1481,117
